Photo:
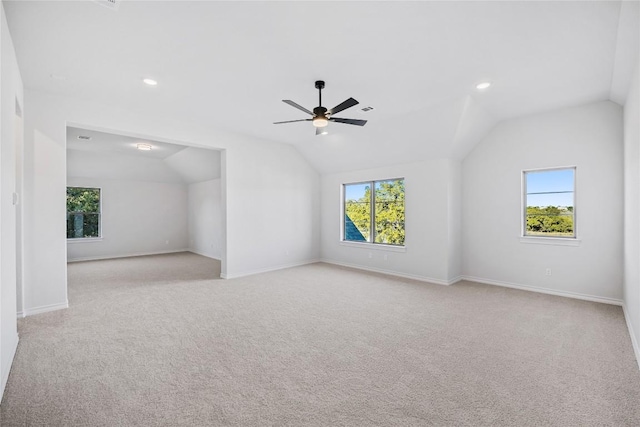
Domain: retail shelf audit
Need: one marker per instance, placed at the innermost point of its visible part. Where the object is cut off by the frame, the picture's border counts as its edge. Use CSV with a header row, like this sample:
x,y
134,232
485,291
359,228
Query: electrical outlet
x,y
547,272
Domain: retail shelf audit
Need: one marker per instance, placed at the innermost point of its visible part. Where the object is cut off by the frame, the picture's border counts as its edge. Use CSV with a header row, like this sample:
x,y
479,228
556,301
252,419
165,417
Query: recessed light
x,y
483,85
144,147
84,137
150,82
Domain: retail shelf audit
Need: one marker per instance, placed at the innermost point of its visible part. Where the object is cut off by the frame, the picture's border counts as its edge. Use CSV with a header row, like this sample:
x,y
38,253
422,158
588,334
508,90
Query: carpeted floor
x,y
155,341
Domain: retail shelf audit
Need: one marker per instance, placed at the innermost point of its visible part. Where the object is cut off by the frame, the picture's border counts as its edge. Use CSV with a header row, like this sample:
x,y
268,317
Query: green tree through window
x,y
549,202
83,212
386,218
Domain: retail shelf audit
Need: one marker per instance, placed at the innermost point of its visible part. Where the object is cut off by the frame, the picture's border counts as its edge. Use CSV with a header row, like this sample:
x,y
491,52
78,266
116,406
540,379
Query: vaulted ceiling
x,y
100,155
229,65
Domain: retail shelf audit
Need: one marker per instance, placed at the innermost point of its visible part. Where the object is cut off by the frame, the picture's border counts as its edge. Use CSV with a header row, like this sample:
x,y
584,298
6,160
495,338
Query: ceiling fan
x,y
322,116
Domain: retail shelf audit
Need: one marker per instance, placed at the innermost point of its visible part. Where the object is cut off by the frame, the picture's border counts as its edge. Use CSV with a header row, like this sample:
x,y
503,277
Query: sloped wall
x,y
588,137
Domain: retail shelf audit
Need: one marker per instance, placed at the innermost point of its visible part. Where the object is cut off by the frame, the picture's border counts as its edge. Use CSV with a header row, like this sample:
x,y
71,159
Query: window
x,y
549,202
83,212
374,216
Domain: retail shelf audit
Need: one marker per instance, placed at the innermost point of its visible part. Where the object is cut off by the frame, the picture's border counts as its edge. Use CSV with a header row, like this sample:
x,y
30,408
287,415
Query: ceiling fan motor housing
x,y
320,111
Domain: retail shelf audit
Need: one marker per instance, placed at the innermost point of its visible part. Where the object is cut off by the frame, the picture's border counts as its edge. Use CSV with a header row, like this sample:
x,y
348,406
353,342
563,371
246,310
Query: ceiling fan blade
x,y
346,104
299,107
322,131
348,121
292,121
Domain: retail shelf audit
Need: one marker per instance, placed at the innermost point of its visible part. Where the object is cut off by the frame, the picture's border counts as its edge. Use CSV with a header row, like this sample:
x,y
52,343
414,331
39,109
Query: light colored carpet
x,y
154,341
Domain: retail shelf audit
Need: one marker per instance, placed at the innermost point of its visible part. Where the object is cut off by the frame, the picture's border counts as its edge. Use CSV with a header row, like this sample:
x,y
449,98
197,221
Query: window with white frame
x,y
83,213
549,202
374,212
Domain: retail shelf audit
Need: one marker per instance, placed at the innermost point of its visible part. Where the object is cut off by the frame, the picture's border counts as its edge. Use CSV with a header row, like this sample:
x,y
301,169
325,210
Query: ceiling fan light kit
x,y
320,121
322,116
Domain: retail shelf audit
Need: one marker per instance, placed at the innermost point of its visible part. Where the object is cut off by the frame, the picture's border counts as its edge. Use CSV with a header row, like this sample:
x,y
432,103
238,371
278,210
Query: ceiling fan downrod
x,y
320,86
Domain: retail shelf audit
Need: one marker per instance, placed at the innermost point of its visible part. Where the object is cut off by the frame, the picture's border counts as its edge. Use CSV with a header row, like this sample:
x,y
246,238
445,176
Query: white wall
x,y
454,207
195,164
274,221
107,165
11,91
205,218
255,173
589,137
45,244
144,204
137,218
432,200
632,210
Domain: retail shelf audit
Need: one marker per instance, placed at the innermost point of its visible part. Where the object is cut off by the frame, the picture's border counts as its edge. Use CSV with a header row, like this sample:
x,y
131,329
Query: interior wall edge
x,y
267,270
194,251
6,364
634,341
133,254
45,309
393,273
548,291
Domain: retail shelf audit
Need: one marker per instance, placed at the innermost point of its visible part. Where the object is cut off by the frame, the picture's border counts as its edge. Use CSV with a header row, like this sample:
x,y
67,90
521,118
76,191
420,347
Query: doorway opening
x,y
133,196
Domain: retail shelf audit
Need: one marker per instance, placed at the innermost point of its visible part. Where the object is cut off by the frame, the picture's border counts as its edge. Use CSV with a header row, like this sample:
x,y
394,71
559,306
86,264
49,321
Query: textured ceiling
x,y
229,65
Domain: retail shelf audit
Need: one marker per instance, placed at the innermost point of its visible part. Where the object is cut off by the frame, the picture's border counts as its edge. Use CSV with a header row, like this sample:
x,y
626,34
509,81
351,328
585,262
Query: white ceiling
x,y
103,142
111,156
229,64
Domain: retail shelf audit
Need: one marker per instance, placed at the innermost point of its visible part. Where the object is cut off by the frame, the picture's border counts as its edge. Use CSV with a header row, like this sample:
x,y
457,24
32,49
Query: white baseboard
x,y
6,365
634,341
44,309
20,315
98,258
202,254
575,295
393,273
268,269
455,280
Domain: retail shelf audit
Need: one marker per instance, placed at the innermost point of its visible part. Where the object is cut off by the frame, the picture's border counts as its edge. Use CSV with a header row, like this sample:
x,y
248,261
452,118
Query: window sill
x,y
374,246
85,240
556,241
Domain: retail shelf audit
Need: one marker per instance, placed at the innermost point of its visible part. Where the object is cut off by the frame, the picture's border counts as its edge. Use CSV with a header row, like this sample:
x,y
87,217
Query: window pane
x,y
389,214
83,212
550,181
550,203
357,212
